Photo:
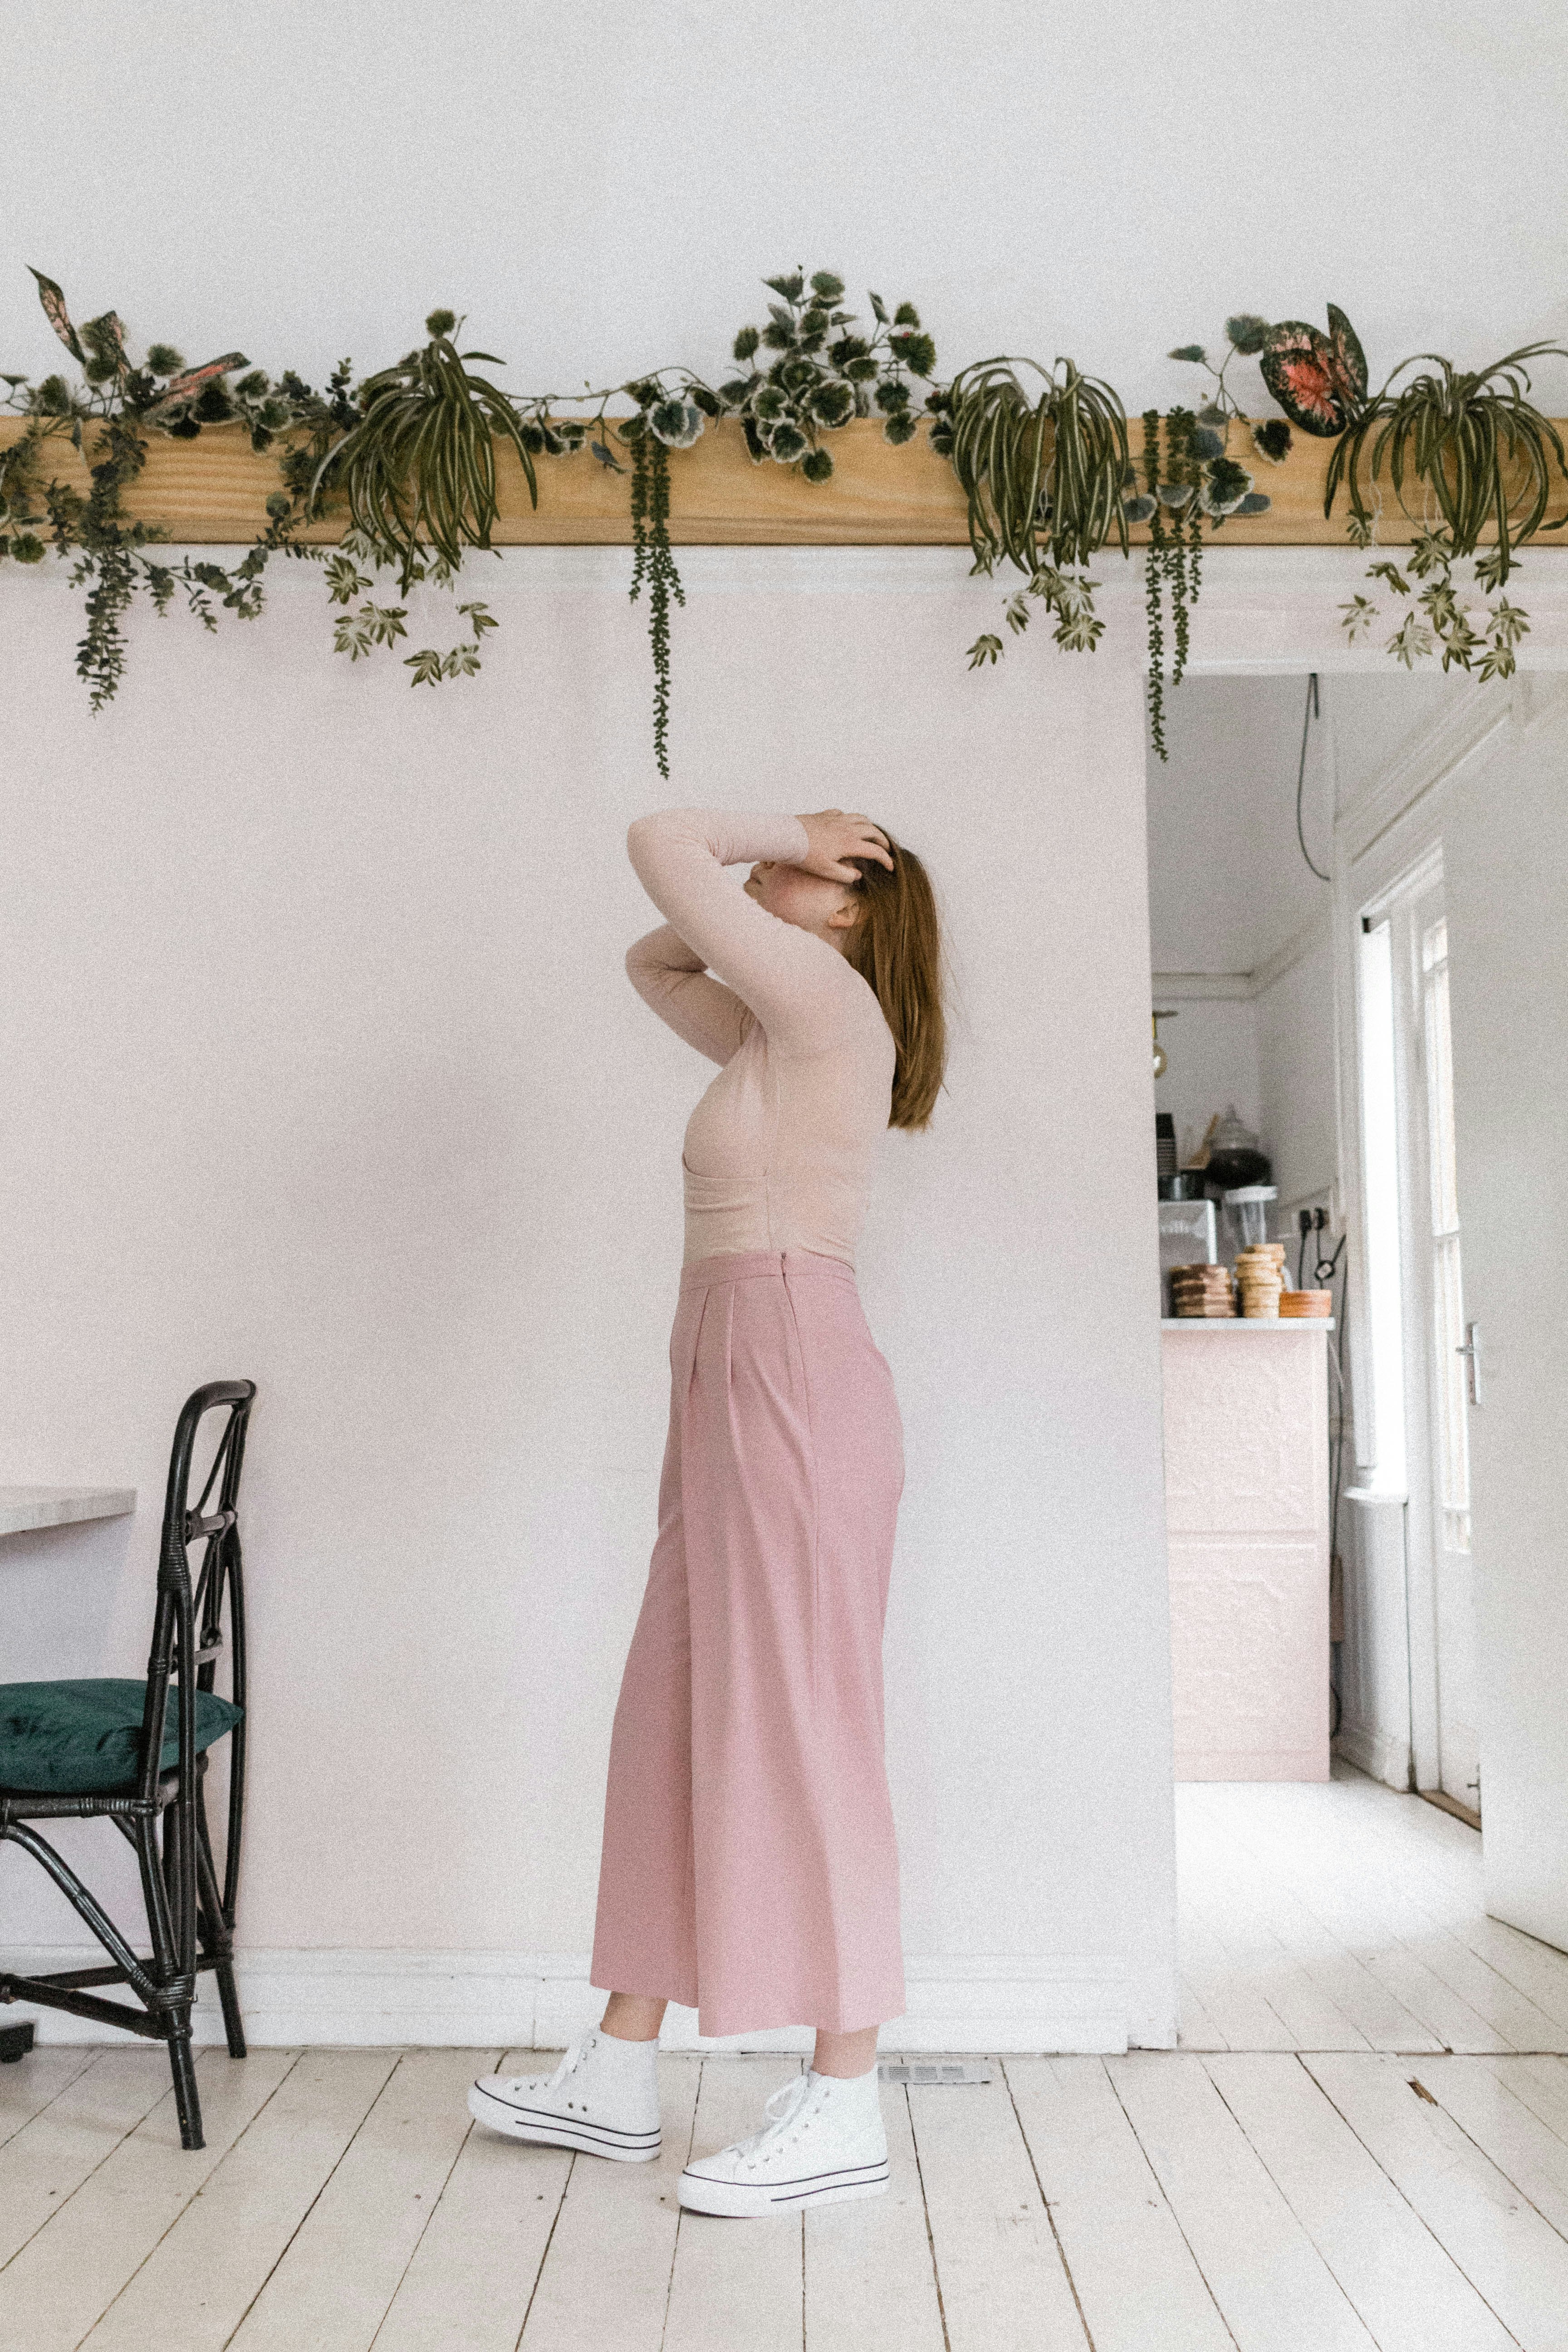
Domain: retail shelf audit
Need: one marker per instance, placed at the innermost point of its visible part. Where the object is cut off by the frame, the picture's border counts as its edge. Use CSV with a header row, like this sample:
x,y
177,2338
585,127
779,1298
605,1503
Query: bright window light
x,y
1381,1176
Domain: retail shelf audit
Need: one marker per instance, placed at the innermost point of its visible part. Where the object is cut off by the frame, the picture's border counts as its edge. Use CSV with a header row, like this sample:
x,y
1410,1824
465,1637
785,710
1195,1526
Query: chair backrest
x,y
188,1624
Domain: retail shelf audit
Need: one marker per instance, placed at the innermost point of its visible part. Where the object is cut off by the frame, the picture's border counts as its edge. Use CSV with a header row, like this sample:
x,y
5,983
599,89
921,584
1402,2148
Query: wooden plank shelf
x,y
213,491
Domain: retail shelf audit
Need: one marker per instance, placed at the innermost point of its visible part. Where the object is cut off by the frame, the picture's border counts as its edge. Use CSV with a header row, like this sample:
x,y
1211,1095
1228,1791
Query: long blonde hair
x,y
896,947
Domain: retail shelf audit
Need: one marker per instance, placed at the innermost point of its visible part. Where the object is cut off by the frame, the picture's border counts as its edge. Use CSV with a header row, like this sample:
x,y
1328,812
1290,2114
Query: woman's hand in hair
x,y
835,838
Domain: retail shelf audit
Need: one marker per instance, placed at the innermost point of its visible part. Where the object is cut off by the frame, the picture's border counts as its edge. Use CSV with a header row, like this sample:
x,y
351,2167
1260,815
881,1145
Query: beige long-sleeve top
x,y
780,1150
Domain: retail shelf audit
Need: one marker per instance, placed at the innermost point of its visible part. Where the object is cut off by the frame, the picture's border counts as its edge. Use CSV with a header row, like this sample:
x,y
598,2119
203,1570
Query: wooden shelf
x,y
213,491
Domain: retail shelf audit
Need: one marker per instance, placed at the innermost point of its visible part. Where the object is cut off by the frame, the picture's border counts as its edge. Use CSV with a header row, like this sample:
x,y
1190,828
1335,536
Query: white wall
x,y
601,188
1238,921
1297,1078
321,1067
1212,1047
1228,887
1505,866
1423,765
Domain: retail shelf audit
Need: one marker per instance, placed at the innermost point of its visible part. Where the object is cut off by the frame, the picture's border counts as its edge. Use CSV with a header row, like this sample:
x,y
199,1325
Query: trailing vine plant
x,y
1192,478
107,420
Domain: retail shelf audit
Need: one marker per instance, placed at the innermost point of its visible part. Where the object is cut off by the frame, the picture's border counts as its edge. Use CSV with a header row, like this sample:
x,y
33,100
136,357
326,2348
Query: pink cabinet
x,y
1246,1514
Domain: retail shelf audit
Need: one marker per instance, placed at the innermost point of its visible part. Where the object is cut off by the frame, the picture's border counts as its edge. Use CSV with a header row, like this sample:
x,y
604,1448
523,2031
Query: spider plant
x,y
418,467
1046,473
1477,445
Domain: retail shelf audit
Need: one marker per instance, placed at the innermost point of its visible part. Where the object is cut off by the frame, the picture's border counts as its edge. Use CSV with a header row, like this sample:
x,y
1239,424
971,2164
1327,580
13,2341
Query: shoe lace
x,y
780,2111
570,2063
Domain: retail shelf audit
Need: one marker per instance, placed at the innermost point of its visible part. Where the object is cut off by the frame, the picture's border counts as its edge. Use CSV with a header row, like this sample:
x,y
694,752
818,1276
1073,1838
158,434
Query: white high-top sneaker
x,y
822,2142
602,2100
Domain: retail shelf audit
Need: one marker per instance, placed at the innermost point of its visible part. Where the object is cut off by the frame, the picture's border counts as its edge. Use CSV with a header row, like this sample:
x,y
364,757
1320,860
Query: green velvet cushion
x,y
66,1739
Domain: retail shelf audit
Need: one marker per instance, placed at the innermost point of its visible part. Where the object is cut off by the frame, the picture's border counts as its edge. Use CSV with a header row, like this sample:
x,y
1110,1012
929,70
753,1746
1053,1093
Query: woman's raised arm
x,y
799,987
669,976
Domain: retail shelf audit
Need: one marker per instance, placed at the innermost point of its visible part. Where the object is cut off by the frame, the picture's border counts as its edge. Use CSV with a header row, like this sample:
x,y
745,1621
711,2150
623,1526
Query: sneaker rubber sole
x,y
546,2128
747,2201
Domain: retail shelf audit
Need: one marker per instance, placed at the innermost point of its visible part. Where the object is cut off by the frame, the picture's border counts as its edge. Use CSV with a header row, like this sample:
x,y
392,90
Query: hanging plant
x,y
1191,479
659,427
107,420
1043,455
416,468
1049,483
822,374
1483,457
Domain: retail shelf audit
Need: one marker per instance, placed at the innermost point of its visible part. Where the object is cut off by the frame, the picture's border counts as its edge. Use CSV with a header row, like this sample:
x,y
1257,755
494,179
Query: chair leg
x,y
181,2065
160,1885
217,1937
229,1996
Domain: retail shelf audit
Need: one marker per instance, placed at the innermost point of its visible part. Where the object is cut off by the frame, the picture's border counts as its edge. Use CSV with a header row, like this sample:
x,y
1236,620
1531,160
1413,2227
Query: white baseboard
x,y
505,2001
1379,1754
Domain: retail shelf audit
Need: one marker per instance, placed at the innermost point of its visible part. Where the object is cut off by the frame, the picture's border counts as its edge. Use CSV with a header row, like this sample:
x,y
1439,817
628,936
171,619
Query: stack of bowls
x,y
1306,1306
1260,1272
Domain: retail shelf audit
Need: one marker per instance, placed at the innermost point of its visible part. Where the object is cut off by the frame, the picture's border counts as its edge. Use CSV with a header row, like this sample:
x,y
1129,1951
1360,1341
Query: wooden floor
x,y
1363,2141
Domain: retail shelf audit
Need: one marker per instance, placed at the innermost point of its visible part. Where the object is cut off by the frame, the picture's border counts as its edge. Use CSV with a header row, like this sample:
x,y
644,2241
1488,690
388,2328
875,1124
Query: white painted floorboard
x,y
475,2269
1136,2278
871,2281
1362,2143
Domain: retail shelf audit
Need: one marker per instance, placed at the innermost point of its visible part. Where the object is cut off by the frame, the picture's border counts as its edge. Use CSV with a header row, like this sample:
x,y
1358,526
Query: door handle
x,y
1472,1362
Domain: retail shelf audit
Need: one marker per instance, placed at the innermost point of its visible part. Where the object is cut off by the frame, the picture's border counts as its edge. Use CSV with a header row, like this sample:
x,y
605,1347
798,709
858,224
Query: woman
x,y
749,1867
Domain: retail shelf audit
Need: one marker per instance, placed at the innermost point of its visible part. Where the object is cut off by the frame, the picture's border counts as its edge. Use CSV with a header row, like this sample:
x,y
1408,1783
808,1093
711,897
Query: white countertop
x,y
1246,1322
22,1508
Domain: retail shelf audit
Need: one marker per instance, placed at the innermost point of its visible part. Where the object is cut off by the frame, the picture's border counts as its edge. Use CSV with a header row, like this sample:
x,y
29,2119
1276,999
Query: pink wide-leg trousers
x,y
749,1867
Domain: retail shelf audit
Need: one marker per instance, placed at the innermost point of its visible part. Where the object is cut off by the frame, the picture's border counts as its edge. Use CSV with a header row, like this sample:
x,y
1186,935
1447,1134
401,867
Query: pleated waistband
x,y
753,1265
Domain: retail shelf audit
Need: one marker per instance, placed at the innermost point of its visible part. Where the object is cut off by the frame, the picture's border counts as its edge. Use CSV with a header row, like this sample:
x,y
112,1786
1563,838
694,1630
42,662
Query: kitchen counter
x,y
1246,1516
1245,1323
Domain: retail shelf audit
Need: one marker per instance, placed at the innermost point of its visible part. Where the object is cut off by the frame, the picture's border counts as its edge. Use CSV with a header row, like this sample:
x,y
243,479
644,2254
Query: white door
x,y
1438,1387
1418,1311
1505,857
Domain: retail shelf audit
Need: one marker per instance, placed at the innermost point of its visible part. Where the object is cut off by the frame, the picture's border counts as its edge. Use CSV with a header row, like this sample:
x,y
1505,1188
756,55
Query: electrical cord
x,y
1326,1271
1308,716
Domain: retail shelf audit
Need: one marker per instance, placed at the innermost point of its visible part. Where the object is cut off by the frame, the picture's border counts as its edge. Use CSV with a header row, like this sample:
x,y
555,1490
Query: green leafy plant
x,y
653,560
823,372
1320,381
1045,470
411,454
417,466
107,420
1482,455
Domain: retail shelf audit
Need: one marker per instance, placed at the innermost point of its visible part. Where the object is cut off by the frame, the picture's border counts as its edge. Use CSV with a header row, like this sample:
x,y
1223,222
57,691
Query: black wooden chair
x,y
135,1754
